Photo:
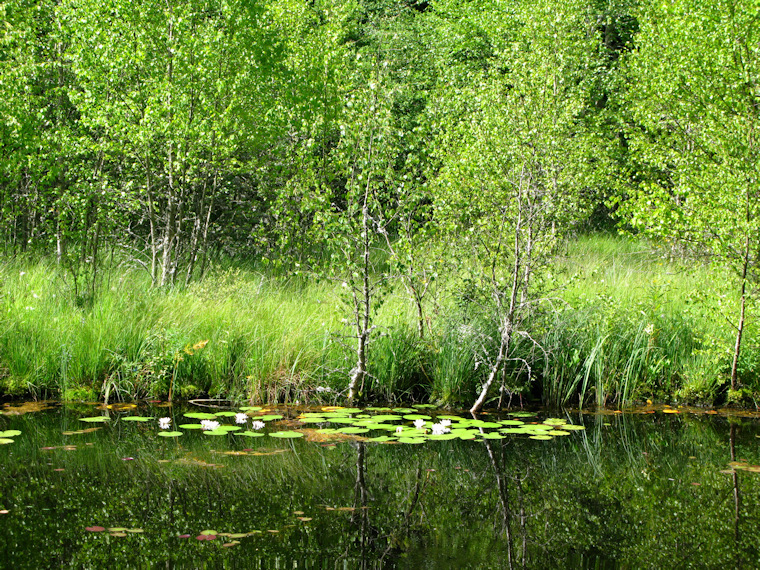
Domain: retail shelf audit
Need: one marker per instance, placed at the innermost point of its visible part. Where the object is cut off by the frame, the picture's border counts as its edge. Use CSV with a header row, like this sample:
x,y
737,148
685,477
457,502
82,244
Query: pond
x,y
95,487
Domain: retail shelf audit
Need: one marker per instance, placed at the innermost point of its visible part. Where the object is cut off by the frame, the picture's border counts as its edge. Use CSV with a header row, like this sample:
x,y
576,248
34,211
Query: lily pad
x,y
493,435
353,430
416,417
217,431
541,437
286,434
190,426
386,417
412,440
541,428
387,427
443,436
225,414
251,408
96,419
10,433
342,420
511,422
572,427
169,433
404,410
5,441
421,406
382,438
200,415
268,418
554,421
249,433
136,419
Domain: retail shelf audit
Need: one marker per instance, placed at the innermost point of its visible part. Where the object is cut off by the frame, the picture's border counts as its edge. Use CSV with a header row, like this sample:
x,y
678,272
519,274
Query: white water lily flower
x,y
419,424
445,423
241,418
164,423
440,429
209,424
399,429
257,425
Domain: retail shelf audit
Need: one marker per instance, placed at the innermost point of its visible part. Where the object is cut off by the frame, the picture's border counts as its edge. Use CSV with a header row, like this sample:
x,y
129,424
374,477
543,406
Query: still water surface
x,y
652,489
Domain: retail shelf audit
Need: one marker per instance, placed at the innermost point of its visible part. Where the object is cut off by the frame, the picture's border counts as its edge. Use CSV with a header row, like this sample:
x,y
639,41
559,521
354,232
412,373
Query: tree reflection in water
x,y
634,491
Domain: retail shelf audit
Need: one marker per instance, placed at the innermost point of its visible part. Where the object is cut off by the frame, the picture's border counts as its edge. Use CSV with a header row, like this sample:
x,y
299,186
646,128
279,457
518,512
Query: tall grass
x,y
622,324
235,334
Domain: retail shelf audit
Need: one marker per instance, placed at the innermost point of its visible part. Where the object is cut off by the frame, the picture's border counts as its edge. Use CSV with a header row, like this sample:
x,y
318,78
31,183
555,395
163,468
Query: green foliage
x,y
628,326
446,147
695,109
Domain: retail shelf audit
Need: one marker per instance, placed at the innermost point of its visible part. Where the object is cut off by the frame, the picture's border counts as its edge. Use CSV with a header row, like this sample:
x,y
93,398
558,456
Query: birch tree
x,y
512,174
695,97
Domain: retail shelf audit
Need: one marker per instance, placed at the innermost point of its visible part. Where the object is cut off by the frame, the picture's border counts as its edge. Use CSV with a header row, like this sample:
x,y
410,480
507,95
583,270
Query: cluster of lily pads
x,y
409,425
382,425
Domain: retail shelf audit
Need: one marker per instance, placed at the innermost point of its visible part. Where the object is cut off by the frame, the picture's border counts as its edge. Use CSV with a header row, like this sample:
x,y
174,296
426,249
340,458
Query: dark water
x,y
631,491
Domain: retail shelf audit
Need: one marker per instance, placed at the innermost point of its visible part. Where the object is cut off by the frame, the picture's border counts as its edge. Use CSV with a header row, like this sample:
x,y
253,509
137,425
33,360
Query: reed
x,y
621,323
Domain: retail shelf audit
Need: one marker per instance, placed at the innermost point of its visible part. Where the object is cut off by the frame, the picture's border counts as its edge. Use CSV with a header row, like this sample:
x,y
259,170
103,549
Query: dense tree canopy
x,y
174,131
367,140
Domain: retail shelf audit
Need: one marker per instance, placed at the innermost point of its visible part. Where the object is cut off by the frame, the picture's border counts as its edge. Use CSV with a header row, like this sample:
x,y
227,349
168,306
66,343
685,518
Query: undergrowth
x,y
622,324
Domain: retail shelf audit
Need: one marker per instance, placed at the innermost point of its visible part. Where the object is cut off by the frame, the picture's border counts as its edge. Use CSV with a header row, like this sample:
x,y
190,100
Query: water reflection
x,y
648,491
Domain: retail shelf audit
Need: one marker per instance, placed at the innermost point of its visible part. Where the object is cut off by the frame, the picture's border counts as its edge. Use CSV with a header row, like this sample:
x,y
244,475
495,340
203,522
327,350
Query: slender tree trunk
x,y
362,307
204,255
195,238
171,212
153,224
203,216
501,486
58,242
735,481
740,327
420,317
95,244
507,324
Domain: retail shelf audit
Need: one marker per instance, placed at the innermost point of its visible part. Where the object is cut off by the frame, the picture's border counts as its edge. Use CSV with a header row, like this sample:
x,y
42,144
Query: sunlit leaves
x,y
169,433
